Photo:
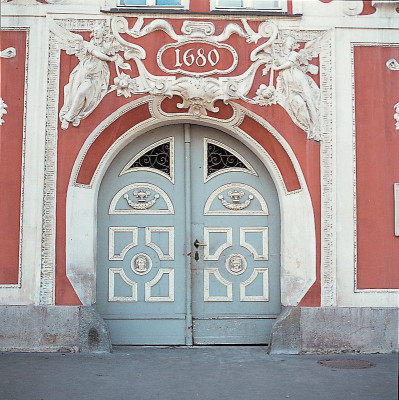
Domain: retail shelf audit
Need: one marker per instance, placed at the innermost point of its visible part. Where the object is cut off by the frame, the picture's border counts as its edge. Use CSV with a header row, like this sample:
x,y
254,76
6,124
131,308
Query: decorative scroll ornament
x,y
3,110
142,204
295,91
236,197
393,65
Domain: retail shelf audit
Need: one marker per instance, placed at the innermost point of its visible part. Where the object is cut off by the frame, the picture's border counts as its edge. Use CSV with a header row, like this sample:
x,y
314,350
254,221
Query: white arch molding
x,y
298,238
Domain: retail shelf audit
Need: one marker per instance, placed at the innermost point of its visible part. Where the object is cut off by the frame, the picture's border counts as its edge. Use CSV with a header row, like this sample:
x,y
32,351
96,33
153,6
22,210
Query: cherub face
x,y
141,264
235,264
290,43
98,32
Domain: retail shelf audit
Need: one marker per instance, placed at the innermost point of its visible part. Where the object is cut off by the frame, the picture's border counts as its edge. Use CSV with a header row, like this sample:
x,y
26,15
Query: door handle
x,y
198,244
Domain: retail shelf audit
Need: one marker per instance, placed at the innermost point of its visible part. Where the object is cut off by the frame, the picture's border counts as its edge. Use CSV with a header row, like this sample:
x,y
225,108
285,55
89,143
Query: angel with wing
x,y
88,82
295,90
298,92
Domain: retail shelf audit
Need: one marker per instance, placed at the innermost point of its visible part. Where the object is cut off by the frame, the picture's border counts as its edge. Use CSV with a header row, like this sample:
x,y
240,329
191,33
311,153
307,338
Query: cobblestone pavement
x,y
186,373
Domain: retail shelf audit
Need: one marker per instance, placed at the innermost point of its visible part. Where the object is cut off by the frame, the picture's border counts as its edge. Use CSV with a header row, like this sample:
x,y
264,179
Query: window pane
x,y
133,2
265,3
168,2
230,3
256,4
147,2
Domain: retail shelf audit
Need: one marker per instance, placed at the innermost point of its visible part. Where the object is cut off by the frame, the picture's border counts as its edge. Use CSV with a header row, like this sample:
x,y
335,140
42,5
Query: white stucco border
x,y
31,166
21,203
298,241
46,292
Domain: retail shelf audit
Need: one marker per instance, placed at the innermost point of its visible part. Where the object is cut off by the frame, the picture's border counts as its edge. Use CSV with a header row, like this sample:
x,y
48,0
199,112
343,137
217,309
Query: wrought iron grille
x,y
158,158
219,158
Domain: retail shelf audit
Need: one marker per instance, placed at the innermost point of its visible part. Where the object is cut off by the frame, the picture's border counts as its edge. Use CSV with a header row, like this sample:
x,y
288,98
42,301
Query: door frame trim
x,y
298,234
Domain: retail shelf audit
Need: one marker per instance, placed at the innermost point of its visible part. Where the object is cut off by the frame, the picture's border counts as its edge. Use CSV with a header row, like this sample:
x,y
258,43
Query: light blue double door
x,y
188,241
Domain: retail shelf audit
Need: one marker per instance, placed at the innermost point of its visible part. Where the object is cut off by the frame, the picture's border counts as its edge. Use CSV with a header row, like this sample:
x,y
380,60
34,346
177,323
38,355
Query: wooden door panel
x,y
236,279
141,271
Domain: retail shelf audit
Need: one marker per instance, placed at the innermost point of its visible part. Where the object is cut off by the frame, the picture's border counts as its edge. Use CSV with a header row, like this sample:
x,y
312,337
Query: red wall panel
x,y
377,167
200,6
12,91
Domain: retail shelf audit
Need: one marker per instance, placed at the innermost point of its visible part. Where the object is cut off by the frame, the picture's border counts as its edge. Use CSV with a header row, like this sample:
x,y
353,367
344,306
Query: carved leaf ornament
x,y
203,60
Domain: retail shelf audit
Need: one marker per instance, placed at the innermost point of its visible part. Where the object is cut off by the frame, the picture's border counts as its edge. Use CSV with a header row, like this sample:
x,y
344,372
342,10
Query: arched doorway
x,y
188,241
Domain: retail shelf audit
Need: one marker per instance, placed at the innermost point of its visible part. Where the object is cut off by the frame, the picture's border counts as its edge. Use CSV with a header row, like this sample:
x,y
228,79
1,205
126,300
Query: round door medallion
x,y
236,264
141,264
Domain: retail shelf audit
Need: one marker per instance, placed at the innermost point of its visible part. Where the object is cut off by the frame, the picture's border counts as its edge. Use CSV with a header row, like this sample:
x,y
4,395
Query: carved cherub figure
x,y
298,92
88,82
295,90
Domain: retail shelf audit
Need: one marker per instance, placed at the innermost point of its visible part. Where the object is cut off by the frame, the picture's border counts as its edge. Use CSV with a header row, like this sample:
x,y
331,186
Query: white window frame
x,y
282,7
152,4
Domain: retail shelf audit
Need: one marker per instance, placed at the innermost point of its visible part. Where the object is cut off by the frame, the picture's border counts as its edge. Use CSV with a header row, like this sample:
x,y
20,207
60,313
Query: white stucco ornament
x,y
385,8
396,116
352,8
32,2
9,52
393,65
3,110
89,80
295,90
196,54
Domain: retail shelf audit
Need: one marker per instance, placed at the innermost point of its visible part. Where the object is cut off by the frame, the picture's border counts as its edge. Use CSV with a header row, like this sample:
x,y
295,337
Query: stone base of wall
x,y
301,330
53,329
298,330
